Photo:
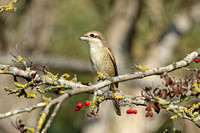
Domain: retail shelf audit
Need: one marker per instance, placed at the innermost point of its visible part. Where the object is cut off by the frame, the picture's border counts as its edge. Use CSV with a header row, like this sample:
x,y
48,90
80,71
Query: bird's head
x,y
93,37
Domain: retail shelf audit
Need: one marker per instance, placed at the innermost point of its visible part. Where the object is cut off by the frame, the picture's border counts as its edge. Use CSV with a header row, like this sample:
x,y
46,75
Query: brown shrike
x,y
102,59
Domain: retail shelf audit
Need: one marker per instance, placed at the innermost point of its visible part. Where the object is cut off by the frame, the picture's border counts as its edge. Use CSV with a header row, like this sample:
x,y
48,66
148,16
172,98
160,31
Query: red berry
x,y
79,104
134,111
128,111
197,60
87,103
77,108
131,111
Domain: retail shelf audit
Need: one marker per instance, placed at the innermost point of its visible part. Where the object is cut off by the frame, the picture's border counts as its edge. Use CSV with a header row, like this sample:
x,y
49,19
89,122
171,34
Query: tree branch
x,y
51,117
22,110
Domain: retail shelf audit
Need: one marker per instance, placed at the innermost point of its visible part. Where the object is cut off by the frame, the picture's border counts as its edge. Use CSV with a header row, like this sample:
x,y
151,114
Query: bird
x,y
102,59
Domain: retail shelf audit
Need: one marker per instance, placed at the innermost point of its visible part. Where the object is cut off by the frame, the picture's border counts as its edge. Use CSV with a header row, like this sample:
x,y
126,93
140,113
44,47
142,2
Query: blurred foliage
x,y
73,19
148,30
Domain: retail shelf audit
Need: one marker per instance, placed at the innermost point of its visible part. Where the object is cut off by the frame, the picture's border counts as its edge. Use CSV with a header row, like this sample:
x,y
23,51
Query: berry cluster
x,y
79,105
131,111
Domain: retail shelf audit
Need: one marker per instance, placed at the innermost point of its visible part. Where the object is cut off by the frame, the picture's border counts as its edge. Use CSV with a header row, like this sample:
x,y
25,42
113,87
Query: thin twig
x,y
22,110
48,124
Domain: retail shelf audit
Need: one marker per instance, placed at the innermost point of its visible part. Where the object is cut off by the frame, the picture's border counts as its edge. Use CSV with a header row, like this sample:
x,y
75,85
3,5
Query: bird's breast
x,y
101,61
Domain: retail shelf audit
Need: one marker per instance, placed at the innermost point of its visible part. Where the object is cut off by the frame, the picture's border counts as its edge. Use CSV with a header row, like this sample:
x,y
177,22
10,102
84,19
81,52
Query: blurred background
x,y
152,33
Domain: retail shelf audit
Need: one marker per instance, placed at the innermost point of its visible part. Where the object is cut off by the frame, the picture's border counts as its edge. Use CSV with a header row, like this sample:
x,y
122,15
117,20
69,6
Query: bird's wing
x,y
114,63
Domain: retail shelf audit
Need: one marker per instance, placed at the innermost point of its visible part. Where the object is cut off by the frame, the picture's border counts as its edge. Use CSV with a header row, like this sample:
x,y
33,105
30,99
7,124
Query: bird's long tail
x,y
117,107
116,102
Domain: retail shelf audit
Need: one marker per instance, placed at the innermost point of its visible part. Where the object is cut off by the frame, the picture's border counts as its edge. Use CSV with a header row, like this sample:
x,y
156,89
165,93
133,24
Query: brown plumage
x,y
102,58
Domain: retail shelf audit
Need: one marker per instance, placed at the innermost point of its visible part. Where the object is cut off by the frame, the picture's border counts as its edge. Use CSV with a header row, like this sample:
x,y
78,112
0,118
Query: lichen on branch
x,y
9,6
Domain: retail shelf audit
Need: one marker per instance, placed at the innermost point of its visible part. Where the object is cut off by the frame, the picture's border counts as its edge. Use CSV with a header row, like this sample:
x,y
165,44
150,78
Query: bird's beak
x,y
83,38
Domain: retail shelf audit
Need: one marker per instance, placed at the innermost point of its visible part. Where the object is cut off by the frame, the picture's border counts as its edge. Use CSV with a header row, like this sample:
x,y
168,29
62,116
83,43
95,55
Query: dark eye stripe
x,y
96,36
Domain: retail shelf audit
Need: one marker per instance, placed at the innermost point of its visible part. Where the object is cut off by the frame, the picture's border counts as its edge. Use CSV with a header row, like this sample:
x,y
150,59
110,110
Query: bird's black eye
x,y
92,35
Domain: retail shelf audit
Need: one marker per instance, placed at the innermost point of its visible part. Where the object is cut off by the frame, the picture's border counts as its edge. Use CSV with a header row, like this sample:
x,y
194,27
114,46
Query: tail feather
x,y
117,107
116,102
